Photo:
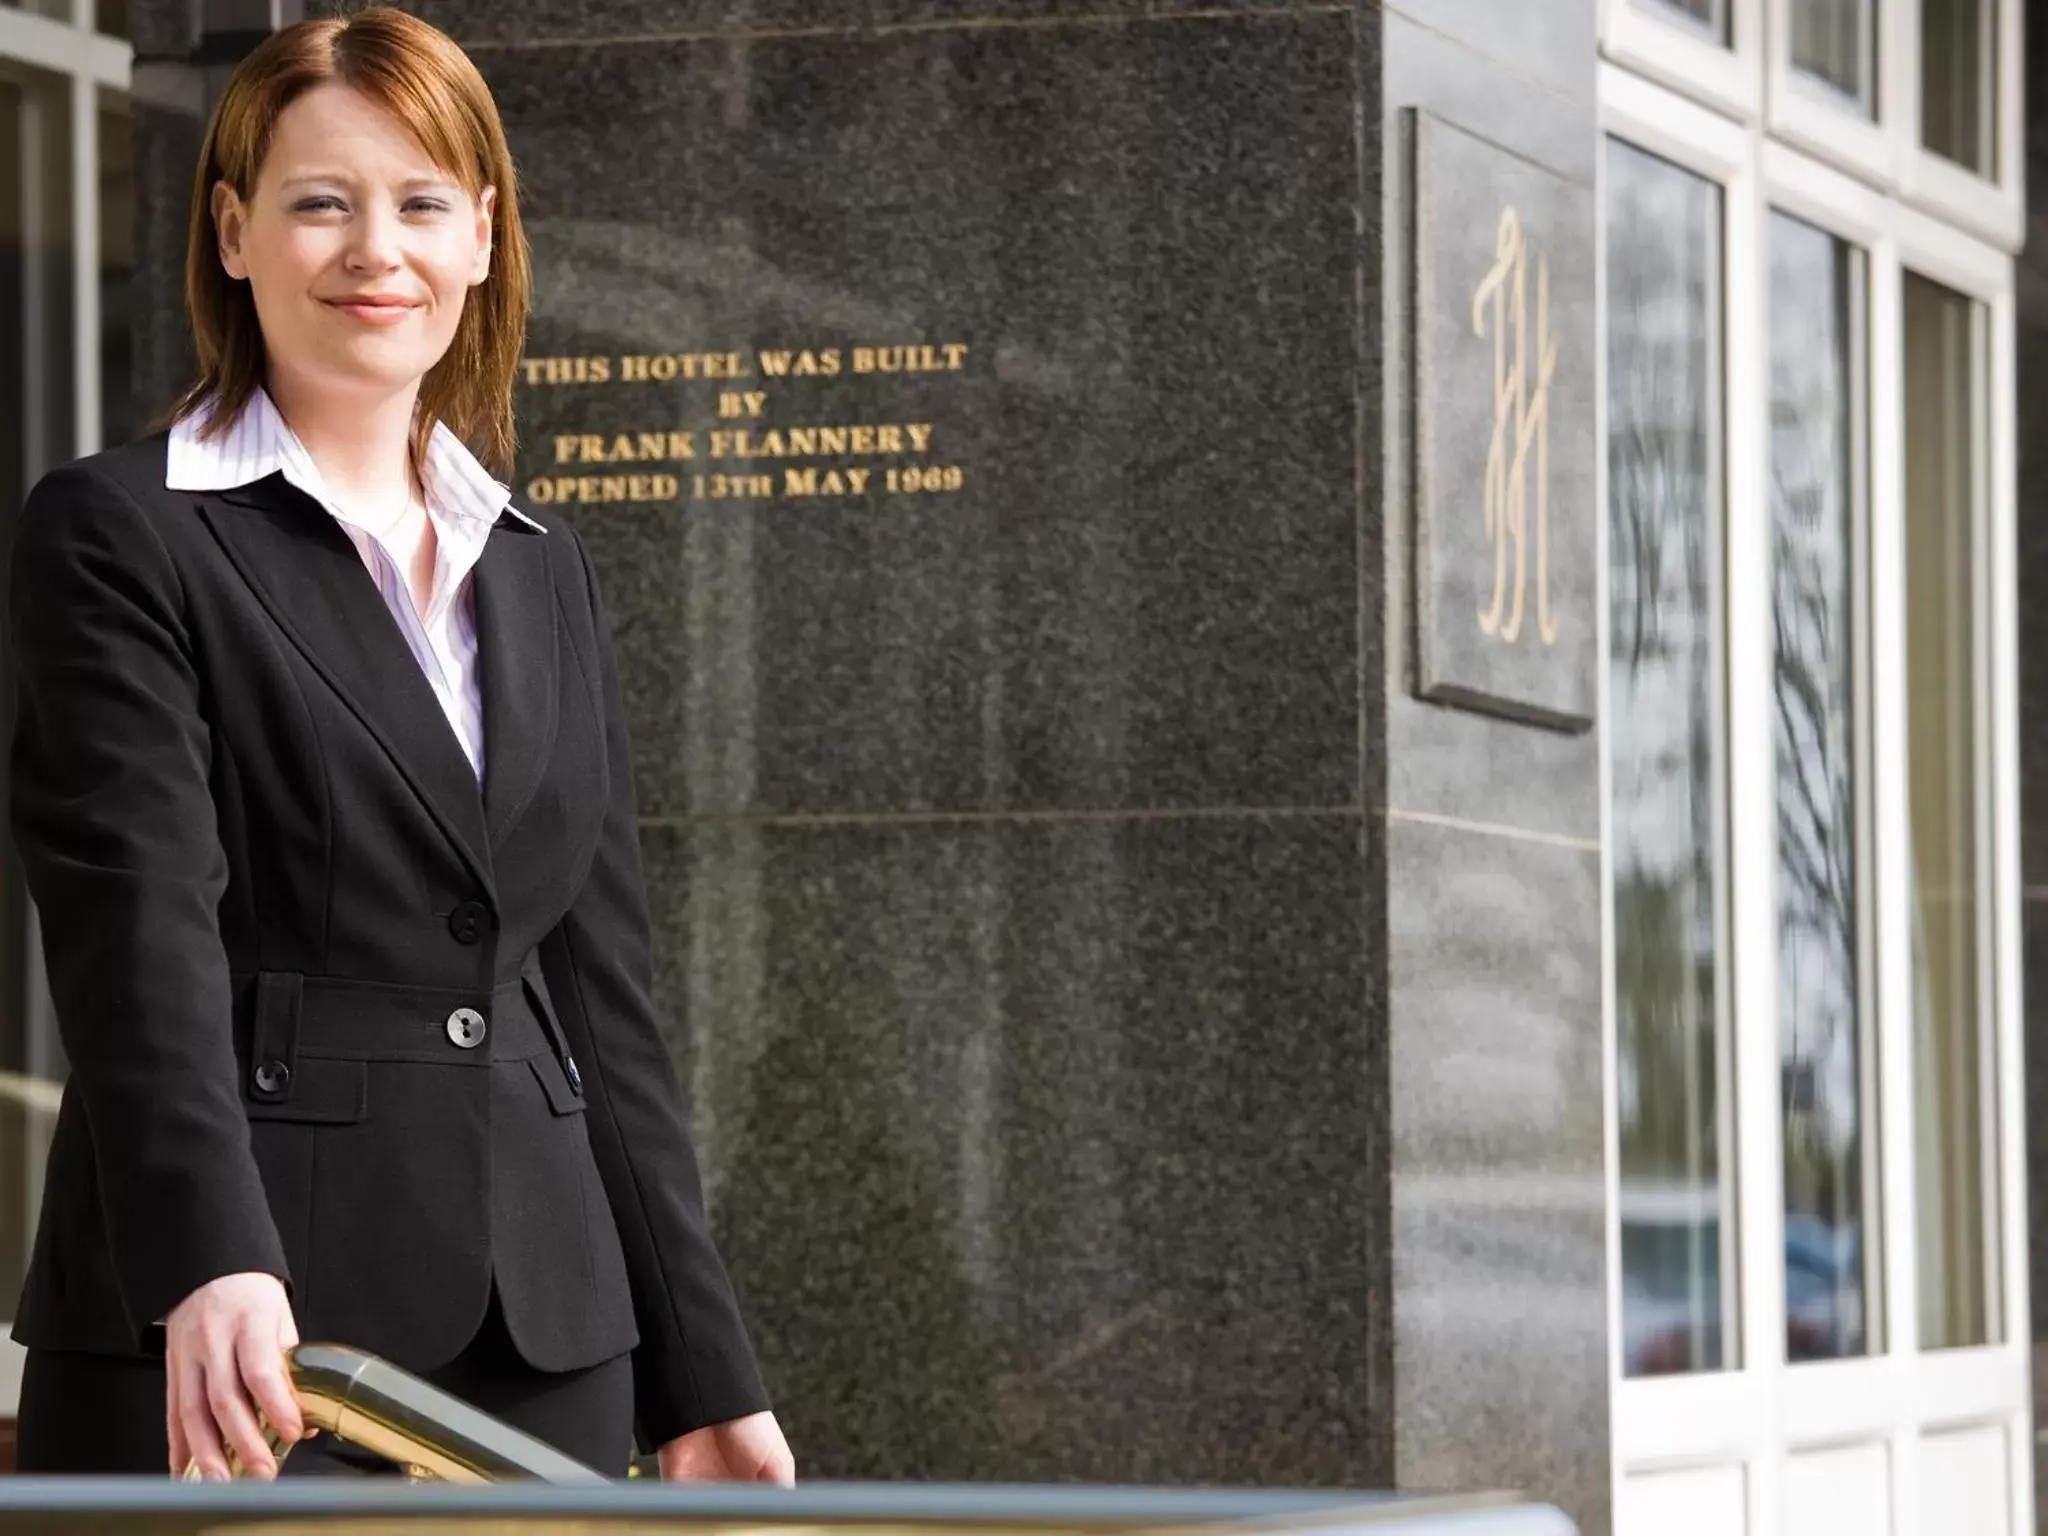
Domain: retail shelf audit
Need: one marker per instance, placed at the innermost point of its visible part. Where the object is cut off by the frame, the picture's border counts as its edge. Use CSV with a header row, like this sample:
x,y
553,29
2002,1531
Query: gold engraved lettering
x,y
948,358
1521,422
783,365
566,370
825,482
616,463
623,447
546,489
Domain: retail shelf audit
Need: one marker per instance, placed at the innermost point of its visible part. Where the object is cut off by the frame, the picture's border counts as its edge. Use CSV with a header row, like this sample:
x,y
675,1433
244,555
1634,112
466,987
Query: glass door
x,y
1818,1239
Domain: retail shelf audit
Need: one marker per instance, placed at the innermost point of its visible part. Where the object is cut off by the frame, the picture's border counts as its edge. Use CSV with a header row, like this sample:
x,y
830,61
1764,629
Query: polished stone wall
x,y
1495,1071
2031,535
1007,843
1131,1035
184,52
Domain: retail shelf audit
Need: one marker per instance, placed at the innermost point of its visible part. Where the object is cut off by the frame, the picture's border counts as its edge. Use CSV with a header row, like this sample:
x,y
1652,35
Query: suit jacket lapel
x,y
309,577
515,621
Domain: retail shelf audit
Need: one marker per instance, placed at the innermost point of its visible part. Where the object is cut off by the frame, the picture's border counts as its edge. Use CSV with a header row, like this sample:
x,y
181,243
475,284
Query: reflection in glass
x,y
1712,14
1944,472
1835,41
1958,85
1817,500
1664,511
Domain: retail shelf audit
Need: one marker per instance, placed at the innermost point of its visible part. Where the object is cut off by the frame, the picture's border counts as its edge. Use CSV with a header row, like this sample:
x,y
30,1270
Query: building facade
x,y
1339,726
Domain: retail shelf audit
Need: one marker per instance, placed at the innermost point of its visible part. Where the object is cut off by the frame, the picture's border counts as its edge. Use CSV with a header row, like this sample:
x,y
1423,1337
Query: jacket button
x,y
466,1028
466,922
272,1078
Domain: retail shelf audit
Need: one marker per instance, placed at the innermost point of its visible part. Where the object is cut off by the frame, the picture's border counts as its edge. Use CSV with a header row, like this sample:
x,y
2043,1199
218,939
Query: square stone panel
x,y
1496,1073
1457,762
1042,1149
1129,256
1551,41
1504,452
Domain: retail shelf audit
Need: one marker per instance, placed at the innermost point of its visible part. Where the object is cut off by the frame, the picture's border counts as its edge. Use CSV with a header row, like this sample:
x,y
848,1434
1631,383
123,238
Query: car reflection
x,y
1674,1274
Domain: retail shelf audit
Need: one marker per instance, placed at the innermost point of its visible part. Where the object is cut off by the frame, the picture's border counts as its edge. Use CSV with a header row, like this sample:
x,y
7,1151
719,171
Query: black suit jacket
x,y
269,882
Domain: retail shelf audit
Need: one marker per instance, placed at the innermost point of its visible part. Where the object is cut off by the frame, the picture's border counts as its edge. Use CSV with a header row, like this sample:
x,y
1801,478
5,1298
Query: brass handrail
x,y
433,1434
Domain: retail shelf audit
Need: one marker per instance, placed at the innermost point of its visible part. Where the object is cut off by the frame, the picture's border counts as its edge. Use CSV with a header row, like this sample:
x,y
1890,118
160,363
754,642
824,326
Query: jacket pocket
x,y
281,1083
321,1091
562,1099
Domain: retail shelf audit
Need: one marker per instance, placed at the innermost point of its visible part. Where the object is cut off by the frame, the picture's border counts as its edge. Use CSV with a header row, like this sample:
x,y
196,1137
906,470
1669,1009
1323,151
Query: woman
x,y
322,789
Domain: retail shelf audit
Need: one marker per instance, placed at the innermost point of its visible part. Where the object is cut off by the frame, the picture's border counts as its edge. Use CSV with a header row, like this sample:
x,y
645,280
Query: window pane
x,y
1816,465
1958,85
1664,317
1944,401
110,17
1712,14
36,432
1835,41
56,10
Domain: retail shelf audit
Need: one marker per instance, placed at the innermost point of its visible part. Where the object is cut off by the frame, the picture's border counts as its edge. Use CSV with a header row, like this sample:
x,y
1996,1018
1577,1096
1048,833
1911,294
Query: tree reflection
x,y
1662,276
1815,287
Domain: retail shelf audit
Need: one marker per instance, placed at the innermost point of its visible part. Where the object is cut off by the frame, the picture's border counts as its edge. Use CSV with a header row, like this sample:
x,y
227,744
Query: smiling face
x,y
358,249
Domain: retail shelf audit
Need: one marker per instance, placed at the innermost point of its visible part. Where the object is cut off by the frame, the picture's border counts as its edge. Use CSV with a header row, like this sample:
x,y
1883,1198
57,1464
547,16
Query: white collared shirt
x,y
463,503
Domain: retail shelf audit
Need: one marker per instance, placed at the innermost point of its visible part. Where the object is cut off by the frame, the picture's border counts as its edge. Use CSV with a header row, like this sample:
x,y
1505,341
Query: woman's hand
x,y
749,1450
224,1350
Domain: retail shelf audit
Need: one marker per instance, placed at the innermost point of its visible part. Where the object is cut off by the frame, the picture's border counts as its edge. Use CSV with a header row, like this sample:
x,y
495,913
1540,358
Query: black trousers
x,y
83,1413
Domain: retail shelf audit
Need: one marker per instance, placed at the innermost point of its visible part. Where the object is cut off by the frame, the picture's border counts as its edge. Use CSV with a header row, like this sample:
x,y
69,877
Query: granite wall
x,y
2031,345
1007,841
184,52
1131,1036
1495,1071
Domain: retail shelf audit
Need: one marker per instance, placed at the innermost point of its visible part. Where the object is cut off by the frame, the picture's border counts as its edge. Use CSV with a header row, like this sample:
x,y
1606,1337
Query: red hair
x,y
421,77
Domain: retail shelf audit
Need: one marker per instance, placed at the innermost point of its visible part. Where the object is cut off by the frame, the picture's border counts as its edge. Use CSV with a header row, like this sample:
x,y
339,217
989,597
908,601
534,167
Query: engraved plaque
x,y
1505,432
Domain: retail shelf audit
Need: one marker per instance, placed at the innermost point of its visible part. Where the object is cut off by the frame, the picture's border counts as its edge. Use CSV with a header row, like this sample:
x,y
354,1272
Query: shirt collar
x,y
260,442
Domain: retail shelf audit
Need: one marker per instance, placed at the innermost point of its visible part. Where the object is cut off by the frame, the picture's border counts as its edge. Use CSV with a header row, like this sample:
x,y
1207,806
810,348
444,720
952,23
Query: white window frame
x,y
1993,208
89,64
1808,113
1762,1408
1673,1419
1661,123
1754,81
1662,45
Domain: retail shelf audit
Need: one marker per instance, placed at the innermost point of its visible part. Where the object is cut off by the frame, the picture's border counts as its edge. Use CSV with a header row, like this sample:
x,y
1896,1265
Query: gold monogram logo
x,y
1521,425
